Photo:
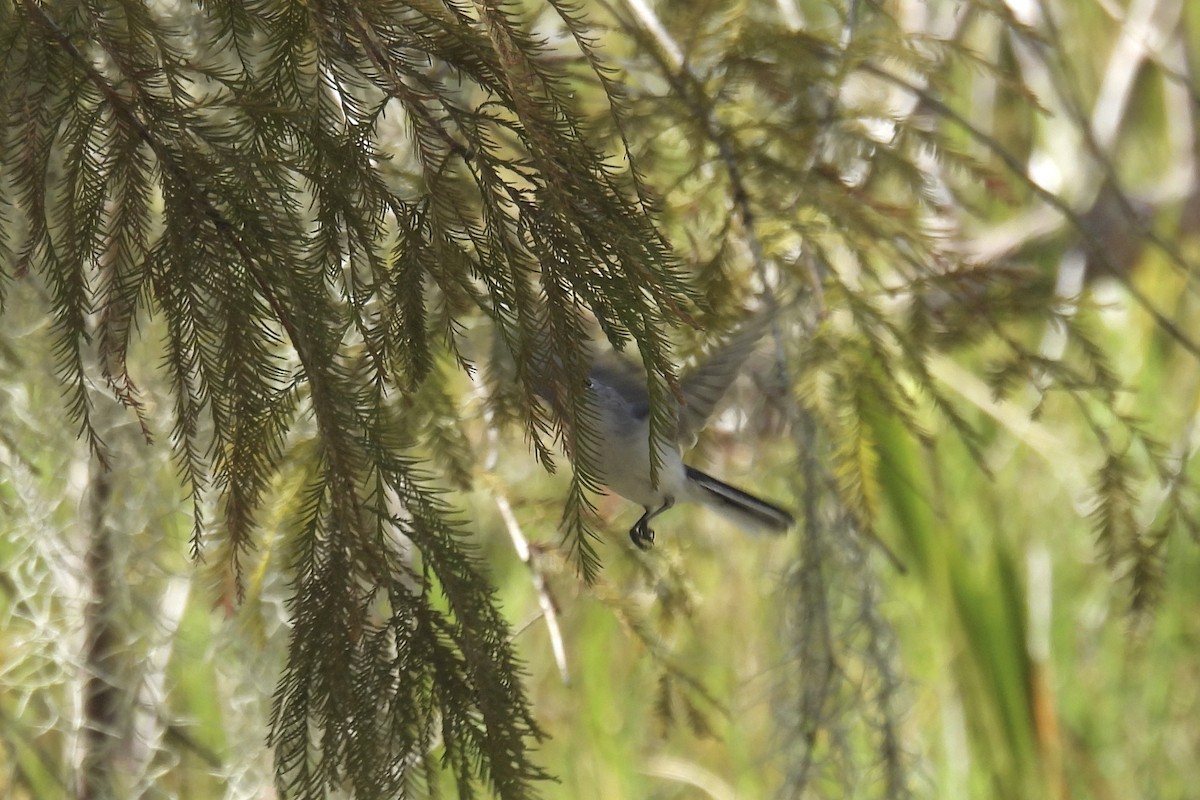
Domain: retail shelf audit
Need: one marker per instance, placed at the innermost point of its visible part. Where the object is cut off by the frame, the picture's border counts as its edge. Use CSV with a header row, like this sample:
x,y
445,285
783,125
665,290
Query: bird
x,y
619,411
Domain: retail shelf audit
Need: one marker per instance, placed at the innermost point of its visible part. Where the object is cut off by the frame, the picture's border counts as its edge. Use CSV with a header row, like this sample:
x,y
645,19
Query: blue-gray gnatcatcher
x,y
621,450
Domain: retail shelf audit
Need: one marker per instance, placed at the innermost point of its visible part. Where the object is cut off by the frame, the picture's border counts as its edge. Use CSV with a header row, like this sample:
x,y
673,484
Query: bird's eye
x,y
587,383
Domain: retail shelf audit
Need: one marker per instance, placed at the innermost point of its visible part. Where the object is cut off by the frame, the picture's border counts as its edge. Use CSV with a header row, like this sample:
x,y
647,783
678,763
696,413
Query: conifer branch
x,y
1051,199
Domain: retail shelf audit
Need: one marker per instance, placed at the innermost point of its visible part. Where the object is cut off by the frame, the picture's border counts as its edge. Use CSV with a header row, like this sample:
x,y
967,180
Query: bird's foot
x,y
641,535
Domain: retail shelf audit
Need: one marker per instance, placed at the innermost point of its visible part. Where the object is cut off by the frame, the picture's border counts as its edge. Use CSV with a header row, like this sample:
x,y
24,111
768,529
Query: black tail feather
x,y
746,509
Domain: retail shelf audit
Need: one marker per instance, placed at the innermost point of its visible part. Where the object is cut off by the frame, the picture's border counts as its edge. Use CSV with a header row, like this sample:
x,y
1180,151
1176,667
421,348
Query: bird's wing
x,y
705,385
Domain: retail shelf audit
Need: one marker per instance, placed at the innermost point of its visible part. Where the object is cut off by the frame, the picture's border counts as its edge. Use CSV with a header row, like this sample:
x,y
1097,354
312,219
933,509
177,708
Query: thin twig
x,y
689,89
1053,200
538,578
549,610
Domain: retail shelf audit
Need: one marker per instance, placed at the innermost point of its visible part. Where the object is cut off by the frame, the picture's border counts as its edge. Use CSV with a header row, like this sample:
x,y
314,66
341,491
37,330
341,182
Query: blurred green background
x,y
1007,660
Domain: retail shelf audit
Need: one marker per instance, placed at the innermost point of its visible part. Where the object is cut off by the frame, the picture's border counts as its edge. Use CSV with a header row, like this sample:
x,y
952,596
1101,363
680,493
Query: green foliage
x,y
218,166
357,238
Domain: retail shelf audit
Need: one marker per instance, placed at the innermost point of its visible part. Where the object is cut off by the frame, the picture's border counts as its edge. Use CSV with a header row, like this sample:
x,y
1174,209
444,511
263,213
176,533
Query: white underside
x,y
623,464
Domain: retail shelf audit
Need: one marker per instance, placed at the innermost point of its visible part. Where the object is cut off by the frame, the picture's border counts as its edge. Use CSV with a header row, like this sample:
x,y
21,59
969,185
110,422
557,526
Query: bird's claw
x,y
641,536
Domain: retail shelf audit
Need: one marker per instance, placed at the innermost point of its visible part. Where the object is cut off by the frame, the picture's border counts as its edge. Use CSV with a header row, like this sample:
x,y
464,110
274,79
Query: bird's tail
x,y
742,508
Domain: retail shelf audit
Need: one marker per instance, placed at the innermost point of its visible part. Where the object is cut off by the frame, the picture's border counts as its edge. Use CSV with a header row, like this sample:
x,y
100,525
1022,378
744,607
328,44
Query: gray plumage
x,y
621,448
